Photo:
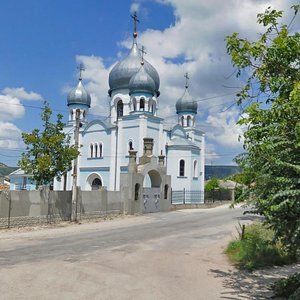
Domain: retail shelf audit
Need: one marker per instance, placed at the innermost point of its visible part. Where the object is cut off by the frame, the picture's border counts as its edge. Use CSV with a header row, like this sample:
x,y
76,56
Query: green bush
x,y
256,249
212,184
295,295
288,287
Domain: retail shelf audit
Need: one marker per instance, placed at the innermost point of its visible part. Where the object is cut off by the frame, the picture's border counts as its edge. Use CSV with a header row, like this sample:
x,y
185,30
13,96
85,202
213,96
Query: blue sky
x,y
42,42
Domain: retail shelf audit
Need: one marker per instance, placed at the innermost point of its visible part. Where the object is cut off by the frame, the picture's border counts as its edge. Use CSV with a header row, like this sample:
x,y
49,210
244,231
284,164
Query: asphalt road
x,y
155,256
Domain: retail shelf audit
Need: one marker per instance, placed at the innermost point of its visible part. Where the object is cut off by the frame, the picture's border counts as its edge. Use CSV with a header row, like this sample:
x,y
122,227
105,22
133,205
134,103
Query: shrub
x,y
212,184
256,249
288,287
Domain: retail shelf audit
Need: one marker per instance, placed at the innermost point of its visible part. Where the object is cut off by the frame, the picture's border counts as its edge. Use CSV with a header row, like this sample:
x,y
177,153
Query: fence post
x,y
171,196
9,210
184,196
8,197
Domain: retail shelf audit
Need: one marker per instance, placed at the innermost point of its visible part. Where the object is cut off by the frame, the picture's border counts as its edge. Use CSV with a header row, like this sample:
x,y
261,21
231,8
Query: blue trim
x,y
132,126
154,128
190,112
94,169
124,169
142,93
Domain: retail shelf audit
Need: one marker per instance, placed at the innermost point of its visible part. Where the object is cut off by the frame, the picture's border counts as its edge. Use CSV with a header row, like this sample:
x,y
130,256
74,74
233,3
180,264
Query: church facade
x,y
106,147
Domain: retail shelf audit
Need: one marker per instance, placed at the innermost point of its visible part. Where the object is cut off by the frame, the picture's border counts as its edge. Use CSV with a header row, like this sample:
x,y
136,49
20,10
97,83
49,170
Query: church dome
x,y
141,82
186,104
124,70
79,95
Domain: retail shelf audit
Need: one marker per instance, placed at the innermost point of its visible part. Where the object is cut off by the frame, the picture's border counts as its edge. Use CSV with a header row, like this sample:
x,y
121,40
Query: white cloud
x,y
95,81
224,130
10,135
211,154
21,94
194,43
10,108
135,7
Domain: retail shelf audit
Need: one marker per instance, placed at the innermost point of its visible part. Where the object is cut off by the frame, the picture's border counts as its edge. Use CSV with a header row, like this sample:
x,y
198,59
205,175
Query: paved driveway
x,y
172,255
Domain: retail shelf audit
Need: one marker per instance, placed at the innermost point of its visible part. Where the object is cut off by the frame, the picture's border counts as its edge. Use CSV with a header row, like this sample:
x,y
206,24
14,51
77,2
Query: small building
x,y
21,181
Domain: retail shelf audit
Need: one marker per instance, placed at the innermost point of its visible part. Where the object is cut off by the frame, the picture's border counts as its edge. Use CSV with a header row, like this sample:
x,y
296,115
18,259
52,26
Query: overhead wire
x,y
106,117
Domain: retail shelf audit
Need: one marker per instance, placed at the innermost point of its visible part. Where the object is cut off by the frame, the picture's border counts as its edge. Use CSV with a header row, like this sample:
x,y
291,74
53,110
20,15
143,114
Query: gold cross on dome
x,y
135,20
143,52
81,69
186,79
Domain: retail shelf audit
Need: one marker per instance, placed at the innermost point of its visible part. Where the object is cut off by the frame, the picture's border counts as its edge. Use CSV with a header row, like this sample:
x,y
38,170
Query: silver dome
x,y
79,95
123,71
141,82
186,104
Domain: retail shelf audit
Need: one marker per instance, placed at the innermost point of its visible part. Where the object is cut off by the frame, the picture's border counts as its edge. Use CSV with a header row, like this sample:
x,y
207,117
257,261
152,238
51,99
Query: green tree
x,y
48,153
271,102
212,184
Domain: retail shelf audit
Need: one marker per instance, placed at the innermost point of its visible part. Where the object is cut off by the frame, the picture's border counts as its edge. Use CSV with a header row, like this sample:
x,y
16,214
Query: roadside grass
x,y
288,287
255,248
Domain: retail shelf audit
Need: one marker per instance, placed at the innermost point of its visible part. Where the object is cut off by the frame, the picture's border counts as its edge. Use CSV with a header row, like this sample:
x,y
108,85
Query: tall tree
x,y
271,102
48,153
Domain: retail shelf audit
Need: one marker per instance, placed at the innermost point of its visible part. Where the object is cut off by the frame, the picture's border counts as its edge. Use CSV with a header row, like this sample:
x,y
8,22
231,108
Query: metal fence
x,y
196,197
187,197
219,195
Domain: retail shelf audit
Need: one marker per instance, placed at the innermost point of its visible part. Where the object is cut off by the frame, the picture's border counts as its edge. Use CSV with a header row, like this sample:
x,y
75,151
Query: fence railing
x,y
187,197
196,197
219,195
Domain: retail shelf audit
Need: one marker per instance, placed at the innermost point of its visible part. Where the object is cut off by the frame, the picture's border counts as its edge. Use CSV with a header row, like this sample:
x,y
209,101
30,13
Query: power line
x,y
66,111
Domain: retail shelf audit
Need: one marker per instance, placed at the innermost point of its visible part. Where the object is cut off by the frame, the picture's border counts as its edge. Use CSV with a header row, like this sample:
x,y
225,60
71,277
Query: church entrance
x,y
96,184
151,192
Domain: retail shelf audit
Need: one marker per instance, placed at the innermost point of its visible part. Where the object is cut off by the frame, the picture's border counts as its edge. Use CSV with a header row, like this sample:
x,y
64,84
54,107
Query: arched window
x,y
130,145
96,150
136,191
91,150
166,191
181,167
195,168
120,109
96,184
72,114
142,104
134,104
100,150
182,120
188,121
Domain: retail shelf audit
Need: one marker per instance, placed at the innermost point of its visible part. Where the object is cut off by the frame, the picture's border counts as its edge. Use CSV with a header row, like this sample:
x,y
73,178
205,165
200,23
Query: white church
x,y
134,137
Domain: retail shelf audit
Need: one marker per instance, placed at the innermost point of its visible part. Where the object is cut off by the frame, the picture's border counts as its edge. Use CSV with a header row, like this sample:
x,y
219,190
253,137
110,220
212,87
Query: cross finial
x,y
143,52
81,69
135,20
186,80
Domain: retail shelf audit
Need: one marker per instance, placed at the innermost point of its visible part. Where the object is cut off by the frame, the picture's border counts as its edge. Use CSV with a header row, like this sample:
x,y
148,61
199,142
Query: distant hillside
x,y
220,172
5,170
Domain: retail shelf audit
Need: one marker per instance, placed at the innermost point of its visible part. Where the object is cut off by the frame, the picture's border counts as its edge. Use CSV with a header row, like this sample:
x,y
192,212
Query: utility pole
x,y
75,163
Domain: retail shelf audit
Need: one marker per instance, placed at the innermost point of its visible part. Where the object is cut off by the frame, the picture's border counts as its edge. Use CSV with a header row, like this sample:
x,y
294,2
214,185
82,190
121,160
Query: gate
x,y
151,197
